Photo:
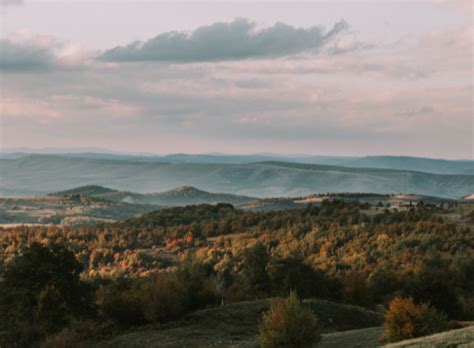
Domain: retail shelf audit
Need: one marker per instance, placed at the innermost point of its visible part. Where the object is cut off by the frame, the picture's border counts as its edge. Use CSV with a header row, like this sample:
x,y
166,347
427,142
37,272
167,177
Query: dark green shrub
x,y
159,299
197,288
292,273
254,270
434,286
40,293
121,301
382,285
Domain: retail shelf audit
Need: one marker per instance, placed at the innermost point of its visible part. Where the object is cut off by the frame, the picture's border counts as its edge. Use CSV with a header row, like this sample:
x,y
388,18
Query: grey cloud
x,y
11,3
353,46
251,83
17,57
416,112
226,41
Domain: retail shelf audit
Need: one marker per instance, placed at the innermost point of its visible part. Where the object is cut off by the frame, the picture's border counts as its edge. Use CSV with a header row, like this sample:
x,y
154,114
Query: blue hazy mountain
x,y
255,176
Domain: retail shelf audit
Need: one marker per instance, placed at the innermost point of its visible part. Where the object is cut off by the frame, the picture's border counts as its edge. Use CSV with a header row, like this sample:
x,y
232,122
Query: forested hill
x,y
333,235
195,256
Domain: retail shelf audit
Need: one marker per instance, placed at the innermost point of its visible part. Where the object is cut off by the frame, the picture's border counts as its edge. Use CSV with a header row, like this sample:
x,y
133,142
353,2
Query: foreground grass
x,y
460,338
236,325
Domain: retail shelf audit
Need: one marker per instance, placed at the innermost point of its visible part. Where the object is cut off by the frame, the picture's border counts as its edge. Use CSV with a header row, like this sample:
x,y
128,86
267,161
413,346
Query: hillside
x,y
180,196
196,257
88,190
188,195
67,210
462,338
331,236
92,203
49,173
236,325
429,165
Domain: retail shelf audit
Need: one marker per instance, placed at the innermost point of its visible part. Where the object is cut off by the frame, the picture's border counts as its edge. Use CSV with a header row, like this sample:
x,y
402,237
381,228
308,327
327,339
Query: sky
x,y
349,78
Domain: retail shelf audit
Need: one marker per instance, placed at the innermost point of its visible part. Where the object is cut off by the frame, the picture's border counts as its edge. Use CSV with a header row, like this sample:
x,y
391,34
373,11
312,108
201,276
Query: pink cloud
x,y
36,110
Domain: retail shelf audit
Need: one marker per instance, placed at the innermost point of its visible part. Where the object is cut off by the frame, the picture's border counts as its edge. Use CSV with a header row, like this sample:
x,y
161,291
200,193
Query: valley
x,y
192,251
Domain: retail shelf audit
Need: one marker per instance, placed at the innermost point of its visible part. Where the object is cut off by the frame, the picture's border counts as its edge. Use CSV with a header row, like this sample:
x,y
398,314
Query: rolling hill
x,y
184,195
73,209
236,325
429,165
41,174
95,204
87,190
92,204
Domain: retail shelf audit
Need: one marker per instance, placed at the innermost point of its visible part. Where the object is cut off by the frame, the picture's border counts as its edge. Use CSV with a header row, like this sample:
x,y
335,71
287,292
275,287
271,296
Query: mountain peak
x,y
88,190
184,190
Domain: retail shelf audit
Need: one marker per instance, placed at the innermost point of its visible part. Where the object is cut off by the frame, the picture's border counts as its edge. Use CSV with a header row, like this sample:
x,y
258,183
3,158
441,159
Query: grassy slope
x,y
190,336
236,325
455,338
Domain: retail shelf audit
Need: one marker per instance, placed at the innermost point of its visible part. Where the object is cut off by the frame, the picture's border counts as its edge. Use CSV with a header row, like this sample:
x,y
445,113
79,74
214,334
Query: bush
x,y
162,299
288,324
76,335
194,280
405,320
121,302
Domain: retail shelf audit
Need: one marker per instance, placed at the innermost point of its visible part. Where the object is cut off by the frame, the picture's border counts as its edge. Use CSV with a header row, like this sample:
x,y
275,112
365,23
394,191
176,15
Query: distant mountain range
x,y
428,165
253,176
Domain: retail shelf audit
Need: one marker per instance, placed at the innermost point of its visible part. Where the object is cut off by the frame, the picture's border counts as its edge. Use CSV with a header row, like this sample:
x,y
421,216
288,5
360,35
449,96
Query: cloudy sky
x,y
328,78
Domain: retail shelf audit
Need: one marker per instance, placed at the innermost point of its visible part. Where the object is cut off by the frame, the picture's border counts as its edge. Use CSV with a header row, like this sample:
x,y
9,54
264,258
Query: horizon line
x,y
105,151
